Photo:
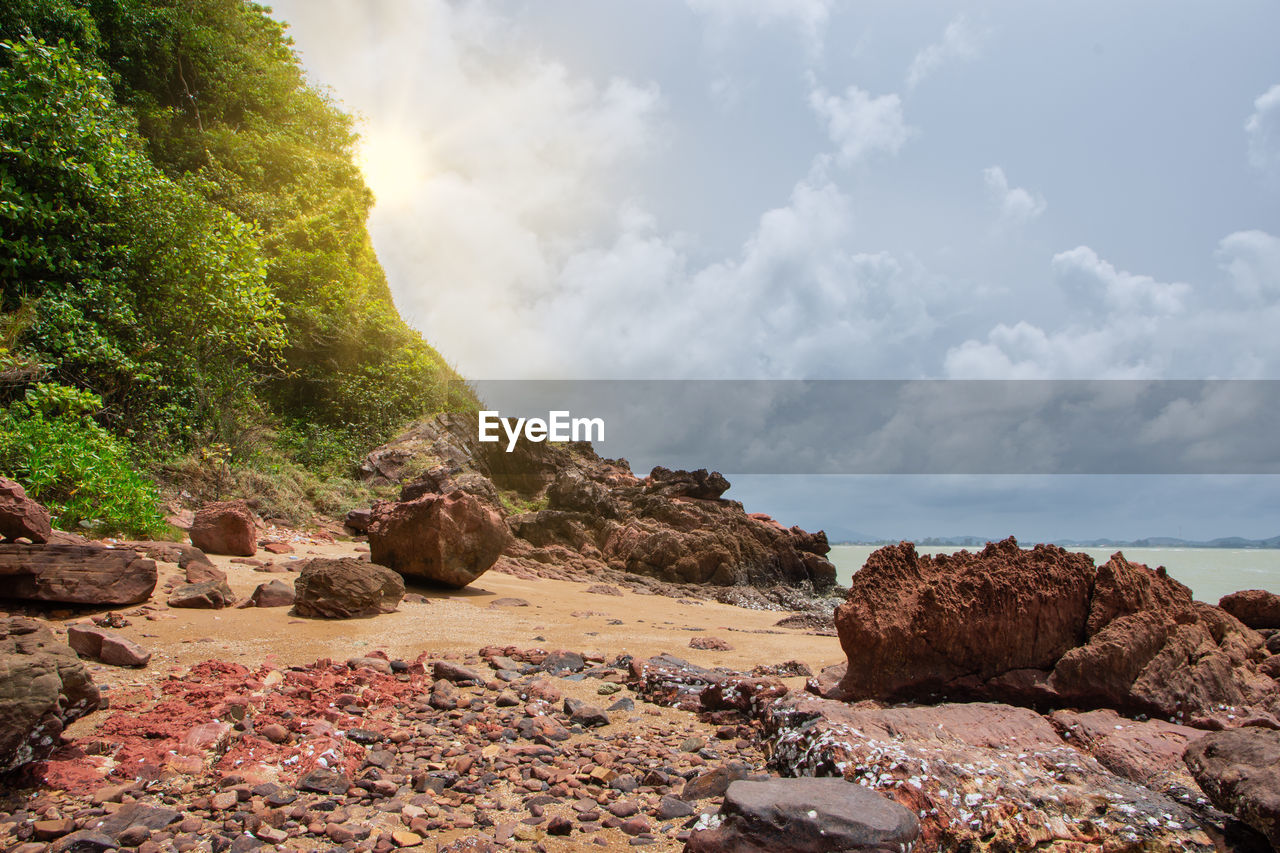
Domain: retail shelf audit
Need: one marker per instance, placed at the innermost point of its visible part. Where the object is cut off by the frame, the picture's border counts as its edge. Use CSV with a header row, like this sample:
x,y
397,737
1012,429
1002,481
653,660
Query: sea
x,y
1210,572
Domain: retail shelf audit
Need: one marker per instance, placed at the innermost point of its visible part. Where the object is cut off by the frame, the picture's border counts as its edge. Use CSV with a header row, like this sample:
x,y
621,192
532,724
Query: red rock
x,y
106,646
278,548
76,574
1148,752
449,540
225,527
273,594
20,516
710,643
1240,771
209,595
1256,608
346,589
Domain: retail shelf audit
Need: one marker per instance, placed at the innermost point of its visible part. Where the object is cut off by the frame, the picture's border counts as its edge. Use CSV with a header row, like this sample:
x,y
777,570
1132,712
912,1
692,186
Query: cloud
x,y
861,125
807,17
1263,131
959,42
1252,259
1098,286
1017,206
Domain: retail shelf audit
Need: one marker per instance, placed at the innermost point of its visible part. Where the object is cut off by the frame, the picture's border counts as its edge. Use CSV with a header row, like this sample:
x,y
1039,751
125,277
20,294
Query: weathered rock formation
x,y
76,574
20,516
448,539
206,595
43,687
1240,771
225,527
1256,608
109,647
1045,627
806,815
346,589
585,515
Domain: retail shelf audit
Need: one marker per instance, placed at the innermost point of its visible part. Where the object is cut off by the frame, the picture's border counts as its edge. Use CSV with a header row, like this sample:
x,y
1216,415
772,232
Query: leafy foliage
x,y
182,233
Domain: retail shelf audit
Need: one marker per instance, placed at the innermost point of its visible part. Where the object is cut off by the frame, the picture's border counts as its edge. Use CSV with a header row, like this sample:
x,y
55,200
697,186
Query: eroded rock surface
x,y
20,516
225,527
448,539
1240,770
346,588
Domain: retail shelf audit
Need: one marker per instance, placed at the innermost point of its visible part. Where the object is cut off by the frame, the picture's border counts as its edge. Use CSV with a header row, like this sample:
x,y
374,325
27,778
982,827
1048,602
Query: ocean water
x,y
1210,572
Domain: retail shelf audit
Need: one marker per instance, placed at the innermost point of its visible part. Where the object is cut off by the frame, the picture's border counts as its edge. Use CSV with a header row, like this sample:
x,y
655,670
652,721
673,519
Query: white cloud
x,y
1252,259
1097,285
1017,206
959,42
1263,130
861,125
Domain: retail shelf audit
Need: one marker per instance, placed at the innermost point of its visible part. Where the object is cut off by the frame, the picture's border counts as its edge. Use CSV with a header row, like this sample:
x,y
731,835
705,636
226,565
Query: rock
x,y
76,574
188,558
1240,771
83,841
209,595
449,540
358,520
134,815
20,516
273,594
710,643
981,776
345,589
1256,608
1148,752
278,548
668,680
43,687
559,825
106,646
225,527
585,715
686,484
807,816
671,808
456,673
1044,627
561,661
714,782
324,781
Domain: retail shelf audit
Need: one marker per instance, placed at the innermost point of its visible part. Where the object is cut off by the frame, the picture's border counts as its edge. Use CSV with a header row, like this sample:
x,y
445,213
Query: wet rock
x,y
1256,608
346,588
43,687
20,516
1240,771
447,539
106,646
807,816
76,574
225,527
210,595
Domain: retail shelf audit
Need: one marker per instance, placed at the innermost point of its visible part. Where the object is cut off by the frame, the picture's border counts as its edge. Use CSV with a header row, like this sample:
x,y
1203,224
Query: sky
x,y
806,189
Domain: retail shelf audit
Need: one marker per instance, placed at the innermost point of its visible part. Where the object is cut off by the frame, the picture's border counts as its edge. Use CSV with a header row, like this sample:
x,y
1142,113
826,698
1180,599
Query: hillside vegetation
x,y
188,285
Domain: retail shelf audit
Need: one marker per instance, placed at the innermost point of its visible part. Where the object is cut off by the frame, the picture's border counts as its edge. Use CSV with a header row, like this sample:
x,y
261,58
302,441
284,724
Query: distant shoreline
x,y
1154,542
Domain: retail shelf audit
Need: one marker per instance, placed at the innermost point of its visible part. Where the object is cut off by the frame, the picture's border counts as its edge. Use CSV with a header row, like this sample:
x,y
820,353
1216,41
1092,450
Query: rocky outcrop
x,y
981,776
598,517
346,589
1044,627
1148,752
188,558
806,815
43,687
1256,608
76,574
225,527
448,539
1240,771
20,516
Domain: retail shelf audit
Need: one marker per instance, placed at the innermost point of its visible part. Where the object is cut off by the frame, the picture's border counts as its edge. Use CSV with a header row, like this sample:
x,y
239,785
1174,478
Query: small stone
x,y
635,826
405,838
274,732
223,801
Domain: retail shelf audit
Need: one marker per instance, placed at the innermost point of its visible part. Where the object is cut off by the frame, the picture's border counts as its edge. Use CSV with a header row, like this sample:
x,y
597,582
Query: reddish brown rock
x,y
1256,608
43,687
450,540
76,574
346,589
914,627
225,527
20,516
273,594
1148,752
1240,771
106,646
209,595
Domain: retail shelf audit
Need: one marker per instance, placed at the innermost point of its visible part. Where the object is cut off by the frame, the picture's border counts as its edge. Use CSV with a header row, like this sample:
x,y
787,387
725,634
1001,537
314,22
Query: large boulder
x,y
447,539
1240,771
346,588
225,527
76,574
1256,608
206,595
1044,627
806,815
43,687
20,516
